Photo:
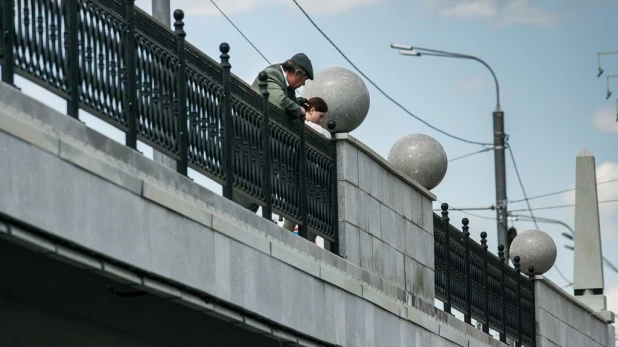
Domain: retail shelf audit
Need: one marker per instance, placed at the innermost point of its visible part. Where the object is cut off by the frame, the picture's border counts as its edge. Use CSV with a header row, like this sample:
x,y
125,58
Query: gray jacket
x,y
280,93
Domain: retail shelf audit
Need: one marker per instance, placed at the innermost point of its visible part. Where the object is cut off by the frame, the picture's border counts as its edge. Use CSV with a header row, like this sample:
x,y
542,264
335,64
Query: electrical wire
x,y
569,283
521,184
240,32
464,211
559,206
243,35
559,192
382,91
473,153
607,262
476,215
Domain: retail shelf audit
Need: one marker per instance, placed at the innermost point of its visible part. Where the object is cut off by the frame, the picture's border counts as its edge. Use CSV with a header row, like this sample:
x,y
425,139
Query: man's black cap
x,y
303,61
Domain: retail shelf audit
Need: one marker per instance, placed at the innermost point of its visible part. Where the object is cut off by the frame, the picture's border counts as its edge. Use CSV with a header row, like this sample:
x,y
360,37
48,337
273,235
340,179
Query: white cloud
x,y
604,119
205,8
608,212
471,8
520,12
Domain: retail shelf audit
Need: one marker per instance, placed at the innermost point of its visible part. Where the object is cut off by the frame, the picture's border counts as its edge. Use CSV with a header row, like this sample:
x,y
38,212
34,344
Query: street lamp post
x,y
161,10
600,71
499,138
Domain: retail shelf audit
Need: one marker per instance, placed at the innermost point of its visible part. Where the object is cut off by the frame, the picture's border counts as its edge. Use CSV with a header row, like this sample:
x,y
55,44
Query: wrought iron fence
x,y
482,286
111,59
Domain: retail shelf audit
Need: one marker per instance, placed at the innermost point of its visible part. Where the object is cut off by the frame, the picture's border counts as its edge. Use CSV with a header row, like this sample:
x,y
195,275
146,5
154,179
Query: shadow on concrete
x,y
45,302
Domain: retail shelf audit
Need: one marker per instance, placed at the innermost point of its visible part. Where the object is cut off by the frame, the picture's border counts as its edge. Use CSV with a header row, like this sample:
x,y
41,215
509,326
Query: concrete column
x,y
588,282
161,11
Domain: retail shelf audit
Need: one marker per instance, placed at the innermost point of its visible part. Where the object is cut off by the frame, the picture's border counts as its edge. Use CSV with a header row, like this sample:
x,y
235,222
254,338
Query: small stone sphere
x,y
420,157
345,94
534,248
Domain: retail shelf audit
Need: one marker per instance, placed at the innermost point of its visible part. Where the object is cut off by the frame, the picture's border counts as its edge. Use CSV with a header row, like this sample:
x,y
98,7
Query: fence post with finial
x,y
267,188
485,282
516,260
73,72
331,125
130,108
8,21
304,196
502,294
228,126
181,96
468,303
447,256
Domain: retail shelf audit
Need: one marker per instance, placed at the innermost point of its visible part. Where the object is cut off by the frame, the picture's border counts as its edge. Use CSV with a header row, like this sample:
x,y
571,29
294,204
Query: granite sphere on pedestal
x,y
420,157
534,248
345,94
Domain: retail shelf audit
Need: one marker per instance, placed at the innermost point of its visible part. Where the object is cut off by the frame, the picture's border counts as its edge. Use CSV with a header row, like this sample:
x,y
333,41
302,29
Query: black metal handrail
x,y
481,285
113,60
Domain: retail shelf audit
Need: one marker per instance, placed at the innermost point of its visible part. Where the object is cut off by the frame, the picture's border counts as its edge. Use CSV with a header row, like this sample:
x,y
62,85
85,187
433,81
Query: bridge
x,y
103,246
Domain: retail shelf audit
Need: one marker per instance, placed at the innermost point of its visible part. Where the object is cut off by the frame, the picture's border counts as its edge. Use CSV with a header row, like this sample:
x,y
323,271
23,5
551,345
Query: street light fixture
x,y
600,71
499,136
609,92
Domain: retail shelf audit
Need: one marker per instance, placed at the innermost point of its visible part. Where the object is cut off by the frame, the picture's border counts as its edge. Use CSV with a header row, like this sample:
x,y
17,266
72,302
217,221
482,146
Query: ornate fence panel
x,y
494,294
90,68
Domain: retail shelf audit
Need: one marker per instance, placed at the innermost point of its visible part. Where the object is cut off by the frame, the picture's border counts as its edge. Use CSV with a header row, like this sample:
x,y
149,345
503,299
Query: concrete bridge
x,y
103,247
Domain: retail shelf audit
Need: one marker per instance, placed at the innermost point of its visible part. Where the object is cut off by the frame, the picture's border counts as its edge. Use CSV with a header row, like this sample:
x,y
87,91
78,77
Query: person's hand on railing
x,y
303,113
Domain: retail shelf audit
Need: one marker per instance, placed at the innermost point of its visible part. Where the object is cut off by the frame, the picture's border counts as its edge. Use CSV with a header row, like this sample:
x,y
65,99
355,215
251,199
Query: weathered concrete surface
x,y
167,235
386,219
562,320
46,302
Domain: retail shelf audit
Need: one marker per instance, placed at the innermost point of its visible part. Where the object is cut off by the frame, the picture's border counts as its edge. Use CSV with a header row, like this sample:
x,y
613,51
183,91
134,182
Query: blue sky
x,y
544,54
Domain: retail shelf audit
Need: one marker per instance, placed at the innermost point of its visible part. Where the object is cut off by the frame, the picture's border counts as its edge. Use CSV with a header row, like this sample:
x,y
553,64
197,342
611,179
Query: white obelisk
x,y
588,281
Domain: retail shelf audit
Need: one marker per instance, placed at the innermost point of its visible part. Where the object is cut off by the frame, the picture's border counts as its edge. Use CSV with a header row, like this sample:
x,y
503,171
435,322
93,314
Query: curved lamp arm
x,y
419,51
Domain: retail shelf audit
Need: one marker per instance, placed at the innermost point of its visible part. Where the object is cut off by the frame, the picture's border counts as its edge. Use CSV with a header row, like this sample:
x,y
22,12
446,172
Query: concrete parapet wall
x,y
564,321
385,219
169,235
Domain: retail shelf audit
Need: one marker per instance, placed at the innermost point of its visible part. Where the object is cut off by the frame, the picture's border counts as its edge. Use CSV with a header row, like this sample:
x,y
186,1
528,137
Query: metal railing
x,y
480,285
116,62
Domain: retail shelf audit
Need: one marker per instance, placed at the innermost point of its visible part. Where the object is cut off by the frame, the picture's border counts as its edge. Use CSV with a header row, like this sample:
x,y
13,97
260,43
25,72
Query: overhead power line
x,y
559,206
240,32
243,35
382,91
473,153
491,208
560,192
521,184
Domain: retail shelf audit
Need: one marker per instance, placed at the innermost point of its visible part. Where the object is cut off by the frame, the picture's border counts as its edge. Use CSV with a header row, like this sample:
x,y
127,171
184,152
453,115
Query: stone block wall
x,y
385,219
563,321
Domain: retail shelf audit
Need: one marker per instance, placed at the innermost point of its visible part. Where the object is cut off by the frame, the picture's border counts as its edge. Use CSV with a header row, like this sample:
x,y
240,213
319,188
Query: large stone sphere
x,y
534,248
420,157
345,94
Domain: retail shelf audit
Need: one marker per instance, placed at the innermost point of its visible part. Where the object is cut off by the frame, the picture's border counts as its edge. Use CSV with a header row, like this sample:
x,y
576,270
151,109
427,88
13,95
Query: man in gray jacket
x,y
284,79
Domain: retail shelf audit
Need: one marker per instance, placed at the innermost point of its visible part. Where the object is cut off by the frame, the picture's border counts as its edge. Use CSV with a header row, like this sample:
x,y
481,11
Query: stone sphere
x,y
345,94
420,157
534,248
